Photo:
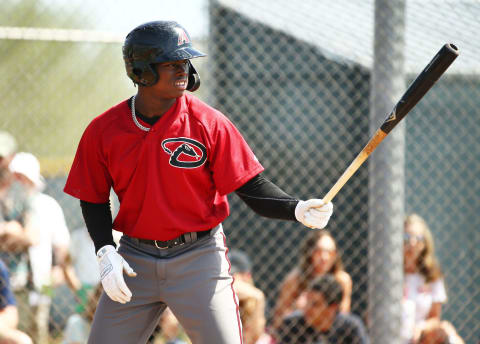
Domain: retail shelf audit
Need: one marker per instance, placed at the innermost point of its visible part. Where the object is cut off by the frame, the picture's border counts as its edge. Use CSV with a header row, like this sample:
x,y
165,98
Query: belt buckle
x,y
176,242
160,248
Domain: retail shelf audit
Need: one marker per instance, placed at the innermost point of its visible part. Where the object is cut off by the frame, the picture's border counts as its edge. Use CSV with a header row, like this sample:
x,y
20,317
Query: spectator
x,y
251,300
14,238
8,147
82,257
49,237
321,320
78,324
424,289
169,330
439,332
318,256
9,334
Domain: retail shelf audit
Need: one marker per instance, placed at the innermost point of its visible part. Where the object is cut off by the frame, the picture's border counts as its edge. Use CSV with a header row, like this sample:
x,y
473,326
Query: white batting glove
x,y
112,266
313,213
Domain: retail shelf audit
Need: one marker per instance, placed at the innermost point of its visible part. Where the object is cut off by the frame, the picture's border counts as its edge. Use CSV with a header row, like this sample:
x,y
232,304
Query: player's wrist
x,y
104,250
313,213
101,244
299,211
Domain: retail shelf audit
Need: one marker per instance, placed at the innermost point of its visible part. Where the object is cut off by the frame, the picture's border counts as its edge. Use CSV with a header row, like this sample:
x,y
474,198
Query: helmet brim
x,y
183,54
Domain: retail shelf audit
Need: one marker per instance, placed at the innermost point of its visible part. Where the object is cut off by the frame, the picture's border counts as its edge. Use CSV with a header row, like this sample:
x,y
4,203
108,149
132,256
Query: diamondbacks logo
x,y
182,37
185,152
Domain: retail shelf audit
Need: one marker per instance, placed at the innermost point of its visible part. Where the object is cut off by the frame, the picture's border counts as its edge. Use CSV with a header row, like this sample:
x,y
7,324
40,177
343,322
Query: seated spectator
x,y
15,238
84,261
13,208
82,257
321,320
251,300
318,256
169,330
424,288
435,331
49,237
78,324
9,334
8,147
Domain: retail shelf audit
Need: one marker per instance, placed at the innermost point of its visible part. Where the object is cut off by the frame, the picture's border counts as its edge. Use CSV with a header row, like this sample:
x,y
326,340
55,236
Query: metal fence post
x,y
386,176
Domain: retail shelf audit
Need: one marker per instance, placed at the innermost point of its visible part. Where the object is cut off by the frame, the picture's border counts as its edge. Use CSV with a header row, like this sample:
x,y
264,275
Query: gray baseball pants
x,y
193,280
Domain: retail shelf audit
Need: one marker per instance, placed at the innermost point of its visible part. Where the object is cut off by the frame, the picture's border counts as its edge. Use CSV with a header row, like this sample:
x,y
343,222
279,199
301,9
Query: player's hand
x,y
112,266
314,213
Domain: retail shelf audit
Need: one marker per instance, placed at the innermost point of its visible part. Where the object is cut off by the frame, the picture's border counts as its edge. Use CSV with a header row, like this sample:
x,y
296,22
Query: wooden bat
x,y
419,87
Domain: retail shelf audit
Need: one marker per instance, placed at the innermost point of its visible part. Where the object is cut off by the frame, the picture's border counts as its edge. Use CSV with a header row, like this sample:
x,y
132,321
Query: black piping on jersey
x,y
267,199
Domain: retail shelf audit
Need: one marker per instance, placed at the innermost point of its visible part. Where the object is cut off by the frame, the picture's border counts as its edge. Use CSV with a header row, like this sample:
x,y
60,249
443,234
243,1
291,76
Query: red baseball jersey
x,y
170,180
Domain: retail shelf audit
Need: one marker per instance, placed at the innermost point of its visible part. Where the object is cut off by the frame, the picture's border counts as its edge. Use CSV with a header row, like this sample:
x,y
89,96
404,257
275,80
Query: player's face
x,y
172,78
324,255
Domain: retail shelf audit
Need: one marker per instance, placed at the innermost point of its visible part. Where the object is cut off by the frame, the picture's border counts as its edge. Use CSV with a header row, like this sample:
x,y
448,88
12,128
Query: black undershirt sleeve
x,y
267,199
98,219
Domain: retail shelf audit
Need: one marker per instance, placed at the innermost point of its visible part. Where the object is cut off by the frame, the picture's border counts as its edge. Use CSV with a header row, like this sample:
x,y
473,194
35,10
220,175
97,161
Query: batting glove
x,y
112,266
313,213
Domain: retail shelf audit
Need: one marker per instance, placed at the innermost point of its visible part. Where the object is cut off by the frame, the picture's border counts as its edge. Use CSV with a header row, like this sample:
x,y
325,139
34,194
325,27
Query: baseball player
x,y
172,160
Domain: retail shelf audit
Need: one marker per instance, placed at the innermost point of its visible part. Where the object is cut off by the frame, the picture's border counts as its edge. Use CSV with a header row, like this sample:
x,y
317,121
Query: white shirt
x,y
84,258
418,299
423,294
76,330
47,217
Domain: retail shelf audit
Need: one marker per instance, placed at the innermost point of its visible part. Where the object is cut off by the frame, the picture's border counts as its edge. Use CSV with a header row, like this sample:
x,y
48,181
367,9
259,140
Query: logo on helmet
x,y
185,152
182,36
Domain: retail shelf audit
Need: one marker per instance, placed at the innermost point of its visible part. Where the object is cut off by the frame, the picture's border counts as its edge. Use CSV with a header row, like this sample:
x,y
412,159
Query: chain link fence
x,y
296,79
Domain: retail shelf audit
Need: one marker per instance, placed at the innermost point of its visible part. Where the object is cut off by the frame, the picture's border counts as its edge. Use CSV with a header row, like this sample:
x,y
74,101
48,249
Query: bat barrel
x,y
452,47
420,86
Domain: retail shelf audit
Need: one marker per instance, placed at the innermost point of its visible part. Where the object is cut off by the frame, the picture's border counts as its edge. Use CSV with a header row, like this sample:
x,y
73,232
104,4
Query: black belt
x,y
182,239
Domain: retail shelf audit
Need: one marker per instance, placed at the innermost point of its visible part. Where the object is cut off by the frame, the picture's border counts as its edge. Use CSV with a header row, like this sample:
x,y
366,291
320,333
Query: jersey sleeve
x,y
232,161
89,179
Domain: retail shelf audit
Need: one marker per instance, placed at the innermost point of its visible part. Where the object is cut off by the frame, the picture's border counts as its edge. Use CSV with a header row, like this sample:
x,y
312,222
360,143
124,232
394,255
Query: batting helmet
x,y
156,42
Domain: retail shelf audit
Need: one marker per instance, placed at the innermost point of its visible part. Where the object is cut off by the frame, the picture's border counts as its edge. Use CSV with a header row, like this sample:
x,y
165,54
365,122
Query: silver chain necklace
x,y
134,117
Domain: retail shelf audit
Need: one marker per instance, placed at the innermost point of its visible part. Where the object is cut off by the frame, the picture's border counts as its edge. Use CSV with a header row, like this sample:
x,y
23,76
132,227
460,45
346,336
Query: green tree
x,y
52,89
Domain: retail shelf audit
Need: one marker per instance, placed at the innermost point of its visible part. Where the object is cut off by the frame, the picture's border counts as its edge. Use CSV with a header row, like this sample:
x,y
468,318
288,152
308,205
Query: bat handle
x,y
344,178
355,164
329,196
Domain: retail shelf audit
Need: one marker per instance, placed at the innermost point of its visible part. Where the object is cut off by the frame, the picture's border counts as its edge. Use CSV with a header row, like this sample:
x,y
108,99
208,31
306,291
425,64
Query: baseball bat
x,y
419,87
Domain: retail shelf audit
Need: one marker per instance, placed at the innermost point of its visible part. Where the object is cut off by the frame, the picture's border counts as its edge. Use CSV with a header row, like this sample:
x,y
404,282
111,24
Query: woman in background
x,y
424,288
318,256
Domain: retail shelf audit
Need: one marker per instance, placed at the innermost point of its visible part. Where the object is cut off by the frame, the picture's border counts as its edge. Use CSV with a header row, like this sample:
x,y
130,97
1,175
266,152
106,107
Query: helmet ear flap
x,y
149,75
193,78
142,73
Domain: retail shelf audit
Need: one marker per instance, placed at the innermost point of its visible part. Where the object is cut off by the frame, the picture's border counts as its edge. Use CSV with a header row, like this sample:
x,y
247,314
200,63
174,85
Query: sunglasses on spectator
x,y
407,237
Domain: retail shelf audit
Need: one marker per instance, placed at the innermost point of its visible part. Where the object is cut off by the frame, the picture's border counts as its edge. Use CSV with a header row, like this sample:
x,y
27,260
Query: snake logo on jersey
x,y
185,152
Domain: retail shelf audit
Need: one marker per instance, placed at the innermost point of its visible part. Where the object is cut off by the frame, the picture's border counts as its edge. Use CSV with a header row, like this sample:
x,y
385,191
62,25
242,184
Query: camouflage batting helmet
x,y
156,42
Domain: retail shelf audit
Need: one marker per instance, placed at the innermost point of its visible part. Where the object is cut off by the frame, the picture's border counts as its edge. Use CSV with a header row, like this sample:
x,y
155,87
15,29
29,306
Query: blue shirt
x,y
6,296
